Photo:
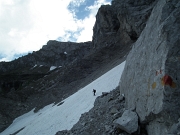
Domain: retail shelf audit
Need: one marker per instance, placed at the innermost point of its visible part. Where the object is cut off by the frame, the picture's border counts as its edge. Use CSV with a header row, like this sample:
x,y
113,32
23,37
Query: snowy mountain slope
x,y
53,118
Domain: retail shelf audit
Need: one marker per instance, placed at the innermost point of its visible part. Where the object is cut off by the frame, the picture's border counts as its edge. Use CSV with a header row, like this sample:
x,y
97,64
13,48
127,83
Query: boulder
x,y
128,121
114,110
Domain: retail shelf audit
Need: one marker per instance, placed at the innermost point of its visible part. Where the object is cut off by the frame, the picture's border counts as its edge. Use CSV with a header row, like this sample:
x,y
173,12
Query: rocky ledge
x,y
108,117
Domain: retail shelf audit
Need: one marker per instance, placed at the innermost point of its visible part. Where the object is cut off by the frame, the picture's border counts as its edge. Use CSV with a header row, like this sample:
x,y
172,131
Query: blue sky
x,y
27,25
81,11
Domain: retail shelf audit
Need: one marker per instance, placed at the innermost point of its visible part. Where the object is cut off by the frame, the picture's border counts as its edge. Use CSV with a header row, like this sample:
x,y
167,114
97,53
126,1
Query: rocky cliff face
x,y
150,80
122,22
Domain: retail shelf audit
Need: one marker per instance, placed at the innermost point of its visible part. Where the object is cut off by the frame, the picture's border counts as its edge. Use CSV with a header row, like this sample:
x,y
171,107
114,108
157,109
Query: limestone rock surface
x,y
150,80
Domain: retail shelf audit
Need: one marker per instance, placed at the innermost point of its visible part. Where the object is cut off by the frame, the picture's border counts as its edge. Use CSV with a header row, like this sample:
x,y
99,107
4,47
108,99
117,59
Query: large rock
x,y
150,80
128,121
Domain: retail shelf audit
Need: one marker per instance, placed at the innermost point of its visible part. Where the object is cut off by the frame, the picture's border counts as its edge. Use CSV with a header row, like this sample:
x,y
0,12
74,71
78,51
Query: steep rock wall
x,y
151,80
121,23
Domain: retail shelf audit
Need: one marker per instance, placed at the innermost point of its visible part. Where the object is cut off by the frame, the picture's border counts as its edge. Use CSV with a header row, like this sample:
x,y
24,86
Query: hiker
x,y
94,91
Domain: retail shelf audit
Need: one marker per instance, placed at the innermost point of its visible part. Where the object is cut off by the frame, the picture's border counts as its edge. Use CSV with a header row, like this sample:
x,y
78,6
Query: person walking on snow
x,y
94,91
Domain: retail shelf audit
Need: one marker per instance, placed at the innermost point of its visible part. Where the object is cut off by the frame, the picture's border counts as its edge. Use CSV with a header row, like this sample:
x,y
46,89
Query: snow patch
x,y
34,66
54,118
52,68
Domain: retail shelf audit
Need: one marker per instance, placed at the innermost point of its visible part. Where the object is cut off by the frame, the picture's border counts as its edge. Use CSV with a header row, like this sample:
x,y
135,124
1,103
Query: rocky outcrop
x,y
106,27
132,15
121,23
150,80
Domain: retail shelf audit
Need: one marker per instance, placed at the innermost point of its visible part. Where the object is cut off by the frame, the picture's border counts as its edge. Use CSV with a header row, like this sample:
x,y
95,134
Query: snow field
x,y
53,118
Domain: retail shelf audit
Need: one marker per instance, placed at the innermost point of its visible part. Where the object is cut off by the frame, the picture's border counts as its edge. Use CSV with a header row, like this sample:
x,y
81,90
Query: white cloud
x,y
27,25
87,32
